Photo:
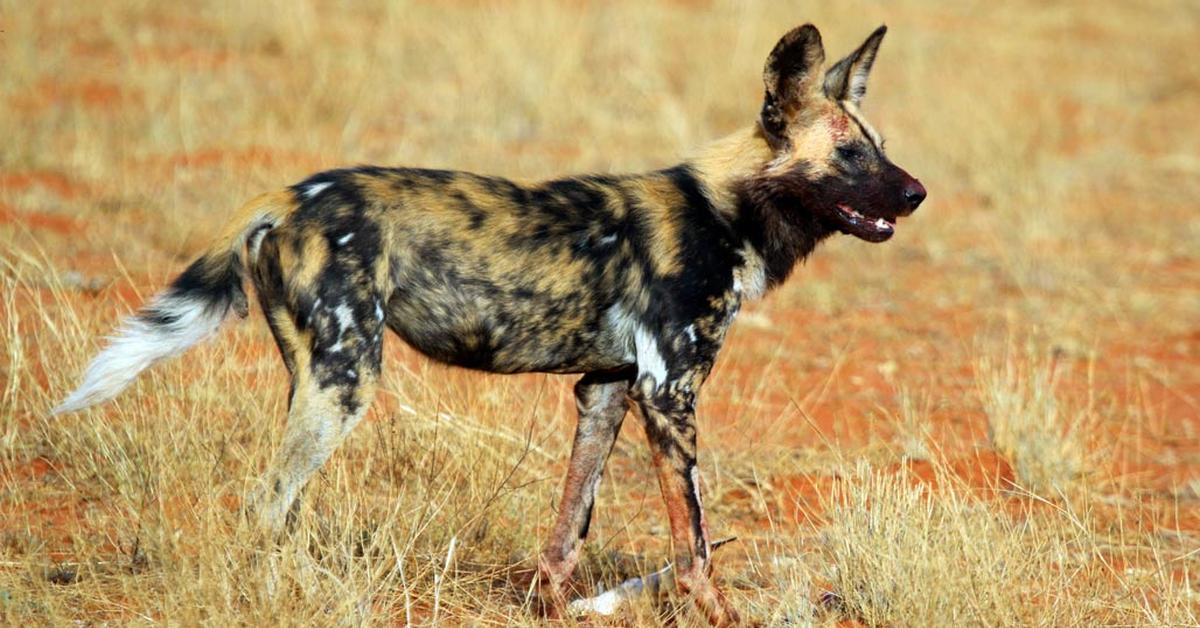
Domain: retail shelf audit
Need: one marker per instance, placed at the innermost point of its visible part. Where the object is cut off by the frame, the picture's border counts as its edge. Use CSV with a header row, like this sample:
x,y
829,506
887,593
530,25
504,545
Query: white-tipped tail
x,y
188,311
167,327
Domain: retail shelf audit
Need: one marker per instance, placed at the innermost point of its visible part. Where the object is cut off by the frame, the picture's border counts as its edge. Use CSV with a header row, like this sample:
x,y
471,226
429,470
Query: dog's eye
x,y
849,153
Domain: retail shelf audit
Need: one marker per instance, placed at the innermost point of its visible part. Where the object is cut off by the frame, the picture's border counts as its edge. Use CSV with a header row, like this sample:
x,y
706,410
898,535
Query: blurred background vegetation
x,y
993,418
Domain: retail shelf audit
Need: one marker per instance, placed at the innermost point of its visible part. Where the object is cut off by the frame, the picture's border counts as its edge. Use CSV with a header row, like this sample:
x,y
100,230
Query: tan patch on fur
x,y
730,159
659,201
275,205
307,263
380,191
635,287
291,337
812,142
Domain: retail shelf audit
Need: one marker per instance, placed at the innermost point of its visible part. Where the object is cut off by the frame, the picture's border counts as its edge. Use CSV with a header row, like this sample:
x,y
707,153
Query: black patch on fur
x,y
440,177
772,119
777,216
708,251
503,188
472,210
214,281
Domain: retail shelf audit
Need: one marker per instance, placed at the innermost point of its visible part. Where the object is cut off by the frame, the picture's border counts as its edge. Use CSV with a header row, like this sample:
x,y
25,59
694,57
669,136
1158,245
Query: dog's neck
x,y
779,236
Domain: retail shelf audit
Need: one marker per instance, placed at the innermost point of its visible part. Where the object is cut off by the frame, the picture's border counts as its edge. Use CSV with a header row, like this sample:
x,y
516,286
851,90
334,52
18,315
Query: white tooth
x,y
881,223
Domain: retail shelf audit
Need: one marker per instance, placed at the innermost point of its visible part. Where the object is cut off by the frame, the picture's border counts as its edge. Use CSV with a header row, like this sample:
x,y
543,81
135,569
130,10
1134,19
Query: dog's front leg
x,y
671,428
601,399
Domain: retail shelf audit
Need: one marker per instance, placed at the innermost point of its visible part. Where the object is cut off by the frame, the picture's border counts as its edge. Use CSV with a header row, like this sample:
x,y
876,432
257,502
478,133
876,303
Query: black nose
x,y
914,193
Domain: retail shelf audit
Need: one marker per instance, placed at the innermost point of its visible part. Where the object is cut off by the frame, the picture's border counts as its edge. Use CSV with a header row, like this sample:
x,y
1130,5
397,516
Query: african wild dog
x,y
632,280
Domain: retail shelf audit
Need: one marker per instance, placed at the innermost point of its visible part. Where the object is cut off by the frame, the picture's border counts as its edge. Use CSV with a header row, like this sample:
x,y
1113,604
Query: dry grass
x,y
1058,145
1028,425
903,554
913,431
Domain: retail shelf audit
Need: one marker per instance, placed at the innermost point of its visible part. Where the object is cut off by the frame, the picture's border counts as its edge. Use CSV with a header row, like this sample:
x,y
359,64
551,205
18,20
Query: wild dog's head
x,y
828,164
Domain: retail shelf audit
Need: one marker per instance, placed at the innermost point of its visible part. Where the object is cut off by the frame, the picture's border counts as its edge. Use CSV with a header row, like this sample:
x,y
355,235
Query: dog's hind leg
x,y
319,419
331,341
602,402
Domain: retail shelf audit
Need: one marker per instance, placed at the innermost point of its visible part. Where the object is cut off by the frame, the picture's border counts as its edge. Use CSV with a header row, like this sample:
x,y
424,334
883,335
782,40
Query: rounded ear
x,y
847,79
792,77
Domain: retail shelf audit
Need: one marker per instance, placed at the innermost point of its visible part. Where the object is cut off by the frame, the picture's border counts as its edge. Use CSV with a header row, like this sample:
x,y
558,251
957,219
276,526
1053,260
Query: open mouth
x,y
871,229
